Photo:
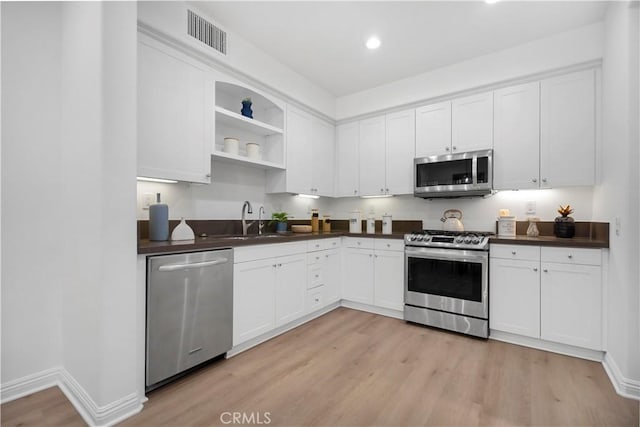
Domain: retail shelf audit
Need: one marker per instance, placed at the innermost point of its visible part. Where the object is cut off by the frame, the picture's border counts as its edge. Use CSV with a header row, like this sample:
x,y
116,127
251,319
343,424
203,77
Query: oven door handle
x,y
448,255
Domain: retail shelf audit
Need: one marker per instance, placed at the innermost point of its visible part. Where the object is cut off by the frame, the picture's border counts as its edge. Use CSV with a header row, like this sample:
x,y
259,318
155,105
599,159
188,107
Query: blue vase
x,y
246,109
281,227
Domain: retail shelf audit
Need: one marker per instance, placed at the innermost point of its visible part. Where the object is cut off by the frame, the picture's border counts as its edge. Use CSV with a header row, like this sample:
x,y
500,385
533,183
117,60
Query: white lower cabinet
x,y
374,272
549,293
291,287
267,293
388,284
514,303
571,304
358,275
254,299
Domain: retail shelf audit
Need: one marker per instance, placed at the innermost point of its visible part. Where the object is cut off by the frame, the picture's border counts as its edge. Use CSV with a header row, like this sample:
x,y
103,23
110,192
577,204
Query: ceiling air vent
x,y
206,32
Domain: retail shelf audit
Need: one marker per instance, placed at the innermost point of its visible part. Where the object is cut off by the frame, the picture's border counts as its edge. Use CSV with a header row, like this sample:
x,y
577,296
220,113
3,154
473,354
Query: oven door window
x,y
444,173
454,279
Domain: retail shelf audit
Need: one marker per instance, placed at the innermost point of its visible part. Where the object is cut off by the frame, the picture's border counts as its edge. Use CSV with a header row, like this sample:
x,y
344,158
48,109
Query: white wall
x,y
31,183
69,163
170,17
618,197
558,51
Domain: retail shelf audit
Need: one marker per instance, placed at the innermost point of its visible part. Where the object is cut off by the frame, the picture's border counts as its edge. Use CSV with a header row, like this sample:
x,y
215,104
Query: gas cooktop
x,y
478,240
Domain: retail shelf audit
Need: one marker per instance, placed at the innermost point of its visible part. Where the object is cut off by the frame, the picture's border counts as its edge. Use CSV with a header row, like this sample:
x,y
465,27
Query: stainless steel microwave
x,y
454,175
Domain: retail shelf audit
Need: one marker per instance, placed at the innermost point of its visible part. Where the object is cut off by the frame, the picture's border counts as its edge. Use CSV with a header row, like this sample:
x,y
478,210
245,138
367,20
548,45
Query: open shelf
x,y
232,158
236,120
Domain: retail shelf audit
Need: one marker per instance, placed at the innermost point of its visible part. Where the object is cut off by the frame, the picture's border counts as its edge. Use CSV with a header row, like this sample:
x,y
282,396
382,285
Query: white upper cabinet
x,y
175,115
567,130
517,137
433,130
347,158
298,137
472,123
400,150
372,156
323,157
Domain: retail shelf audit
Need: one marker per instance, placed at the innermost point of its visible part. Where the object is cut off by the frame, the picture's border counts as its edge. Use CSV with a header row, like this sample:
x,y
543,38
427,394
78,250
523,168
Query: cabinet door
x,y
291,288
332,275
298,136
516,144
400,151
514,296
472,123
571,304
358,275
254,290
323,158
567,130
389,279
347,152
433,129
372,156
175,117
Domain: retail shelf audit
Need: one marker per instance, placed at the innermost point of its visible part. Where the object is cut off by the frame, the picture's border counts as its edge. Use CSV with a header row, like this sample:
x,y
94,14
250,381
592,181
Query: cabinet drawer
x,y
520,252
323,244
314,258
315,299
358,242
572,255
252,253
315,277
389,244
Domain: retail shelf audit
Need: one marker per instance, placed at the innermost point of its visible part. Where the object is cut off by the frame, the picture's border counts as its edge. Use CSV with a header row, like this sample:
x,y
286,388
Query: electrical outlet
x,y
147,200
530,207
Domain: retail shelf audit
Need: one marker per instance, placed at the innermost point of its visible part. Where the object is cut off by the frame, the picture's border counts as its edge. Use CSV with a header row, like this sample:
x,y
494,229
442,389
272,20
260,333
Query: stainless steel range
x,y
446,280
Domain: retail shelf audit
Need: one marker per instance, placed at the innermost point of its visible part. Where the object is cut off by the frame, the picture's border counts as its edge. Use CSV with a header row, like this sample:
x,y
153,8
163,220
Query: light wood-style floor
x,y
359,369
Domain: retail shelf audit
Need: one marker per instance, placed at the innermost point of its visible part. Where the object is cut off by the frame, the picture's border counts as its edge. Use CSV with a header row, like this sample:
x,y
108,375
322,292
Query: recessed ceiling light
x,y
373,43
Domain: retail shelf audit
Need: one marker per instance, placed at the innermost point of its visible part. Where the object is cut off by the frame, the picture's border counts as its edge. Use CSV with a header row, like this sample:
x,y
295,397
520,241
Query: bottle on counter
x,y
371,225
355,224
326,224
158,220
387,224
315,221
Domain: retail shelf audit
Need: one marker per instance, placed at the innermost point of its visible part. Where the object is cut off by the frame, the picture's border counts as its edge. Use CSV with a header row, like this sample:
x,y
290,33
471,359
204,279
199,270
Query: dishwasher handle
x,y
174,267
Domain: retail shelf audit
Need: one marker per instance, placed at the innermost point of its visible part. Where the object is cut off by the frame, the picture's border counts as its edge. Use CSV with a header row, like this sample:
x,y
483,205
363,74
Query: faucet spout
x,y
246,208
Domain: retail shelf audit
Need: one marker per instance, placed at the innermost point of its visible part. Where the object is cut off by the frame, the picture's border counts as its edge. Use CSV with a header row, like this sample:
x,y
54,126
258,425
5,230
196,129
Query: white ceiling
x,y
324,41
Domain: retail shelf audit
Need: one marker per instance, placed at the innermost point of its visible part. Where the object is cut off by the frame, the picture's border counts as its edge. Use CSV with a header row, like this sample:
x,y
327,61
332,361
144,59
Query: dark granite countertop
x,y
588,235
146,246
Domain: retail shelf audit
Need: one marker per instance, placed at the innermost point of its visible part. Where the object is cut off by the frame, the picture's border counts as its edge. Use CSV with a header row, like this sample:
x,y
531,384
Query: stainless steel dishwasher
x,y
189,311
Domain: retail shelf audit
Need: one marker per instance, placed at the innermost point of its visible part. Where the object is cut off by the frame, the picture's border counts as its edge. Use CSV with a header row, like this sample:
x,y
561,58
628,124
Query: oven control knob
x,y
412,238
459,240
467,240
420,238
475,241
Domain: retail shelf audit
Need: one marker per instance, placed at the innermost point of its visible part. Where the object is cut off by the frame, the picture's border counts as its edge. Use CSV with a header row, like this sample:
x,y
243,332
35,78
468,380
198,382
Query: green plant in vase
x,y
564,225
280,220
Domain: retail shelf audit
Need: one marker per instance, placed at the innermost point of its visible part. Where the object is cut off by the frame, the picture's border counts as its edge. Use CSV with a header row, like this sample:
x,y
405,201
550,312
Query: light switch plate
x,y
147,200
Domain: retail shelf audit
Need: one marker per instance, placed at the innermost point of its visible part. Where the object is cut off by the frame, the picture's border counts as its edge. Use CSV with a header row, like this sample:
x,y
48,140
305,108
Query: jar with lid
x,y
532,230
315,221
326,224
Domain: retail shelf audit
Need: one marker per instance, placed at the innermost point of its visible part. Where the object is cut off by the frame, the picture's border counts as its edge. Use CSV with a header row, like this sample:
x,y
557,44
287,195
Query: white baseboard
x,y
553,347
29,384
373,309
624,386
92,413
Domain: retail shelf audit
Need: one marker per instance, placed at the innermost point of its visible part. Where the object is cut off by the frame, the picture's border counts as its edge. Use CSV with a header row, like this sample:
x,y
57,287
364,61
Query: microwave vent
x,y
206,32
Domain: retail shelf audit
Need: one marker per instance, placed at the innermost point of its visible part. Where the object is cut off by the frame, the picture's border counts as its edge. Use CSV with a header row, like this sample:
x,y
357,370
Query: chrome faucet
x,y
246,208
260,221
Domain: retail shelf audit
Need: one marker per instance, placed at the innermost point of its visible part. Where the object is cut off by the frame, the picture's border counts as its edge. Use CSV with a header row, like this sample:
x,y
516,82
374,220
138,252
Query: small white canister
x,y
253,151
355,224
371,225
387,224
231,145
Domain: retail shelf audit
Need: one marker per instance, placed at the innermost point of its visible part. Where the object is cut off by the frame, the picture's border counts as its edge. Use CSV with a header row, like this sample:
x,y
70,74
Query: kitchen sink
x,y
237,237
